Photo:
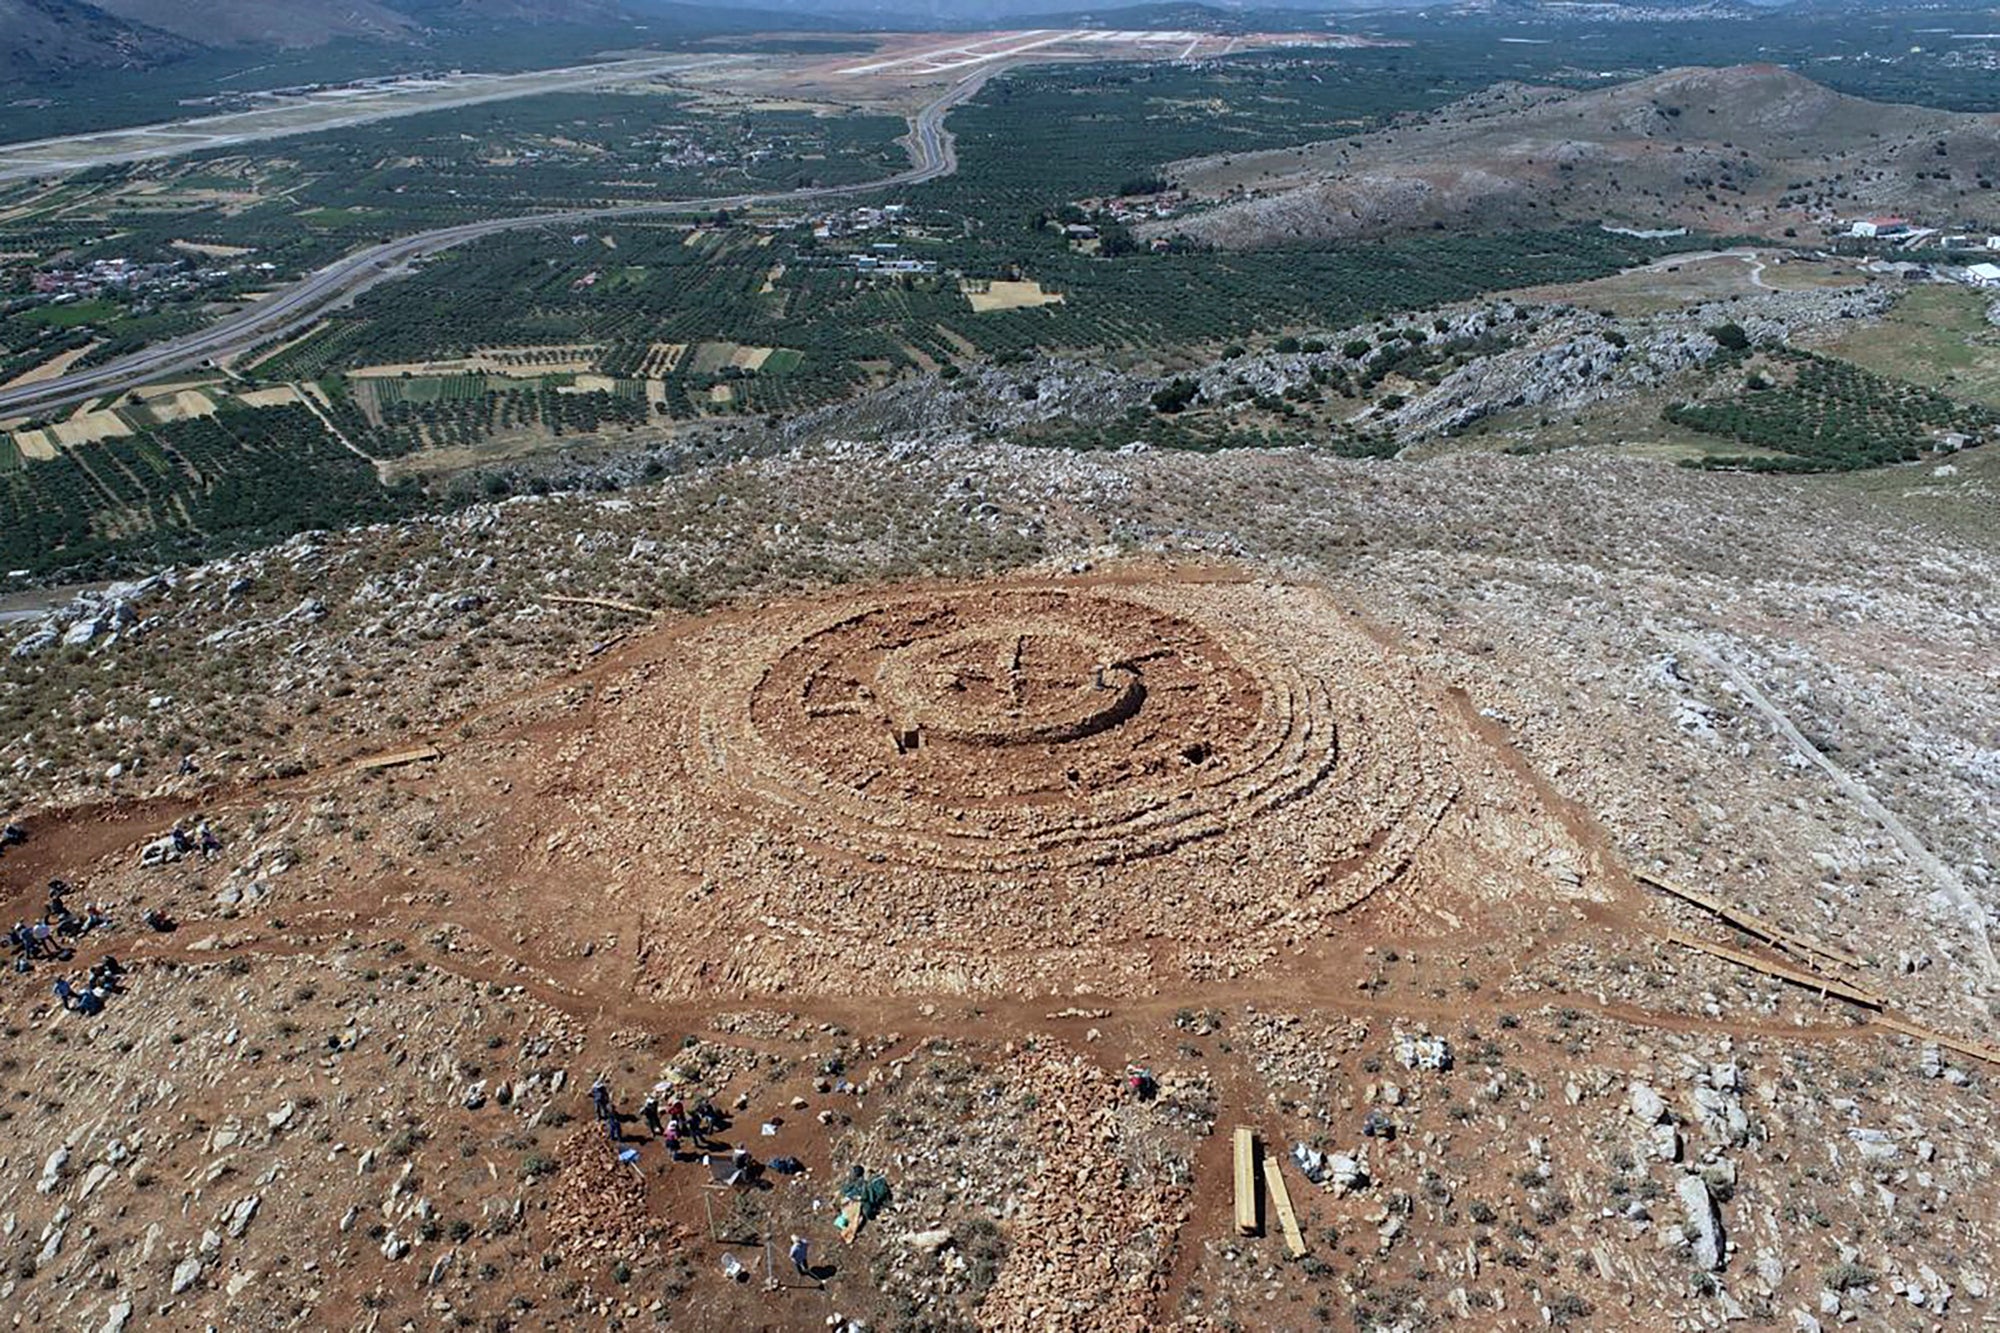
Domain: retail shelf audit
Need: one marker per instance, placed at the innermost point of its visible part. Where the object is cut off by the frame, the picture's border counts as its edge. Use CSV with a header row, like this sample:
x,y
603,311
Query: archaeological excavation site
x,y
1003,789
937,666
1069,940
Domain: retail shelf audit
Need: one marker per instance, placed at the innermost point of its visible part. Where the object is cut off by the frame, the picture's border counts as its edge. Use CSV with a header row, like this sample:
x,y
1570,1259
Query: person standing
x,y
801,1260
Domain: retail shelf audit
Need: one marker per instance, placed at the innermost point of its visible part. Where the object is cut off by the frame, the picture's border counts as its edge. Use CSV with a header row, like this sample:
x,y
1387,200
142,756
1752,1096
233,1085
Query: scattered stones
x,y
1428,1053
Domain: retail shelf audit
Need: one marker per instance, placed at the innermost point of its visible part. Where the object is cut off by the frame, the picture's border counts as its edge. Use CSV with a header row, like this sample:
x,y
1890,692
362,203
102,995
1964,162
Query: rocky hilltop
x,y
1748,148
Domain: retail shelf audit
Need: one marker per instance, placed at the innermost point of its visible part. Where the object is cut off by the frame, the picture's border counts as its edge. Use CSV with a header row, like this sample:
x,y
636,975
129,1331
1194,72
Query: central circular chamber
x,y
1026,683
1048,704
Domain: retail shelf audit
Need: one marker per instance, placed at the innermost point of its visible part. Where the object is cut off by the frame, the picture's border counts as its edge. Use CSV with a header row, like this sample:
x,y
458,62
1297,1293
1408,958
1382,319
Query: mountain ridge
x,y
1746,147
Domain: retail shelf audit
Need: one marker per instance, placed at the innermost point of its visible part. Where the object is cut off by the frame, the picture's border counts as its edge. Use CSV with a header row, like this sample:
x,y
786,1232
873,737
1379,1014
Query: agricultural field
x,y
74,315
770,287
1805,413
1038,138
392,419
521,289
177,489
216,227
1004,295
1935,336
535,339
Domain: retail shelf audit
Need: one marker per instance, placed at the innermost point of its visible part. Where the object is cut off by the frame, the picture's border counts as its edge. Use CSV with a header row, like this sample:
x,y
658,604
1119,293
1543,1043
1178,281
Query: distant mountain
x,y
274,23
58,38
1752,148
295,23
62,36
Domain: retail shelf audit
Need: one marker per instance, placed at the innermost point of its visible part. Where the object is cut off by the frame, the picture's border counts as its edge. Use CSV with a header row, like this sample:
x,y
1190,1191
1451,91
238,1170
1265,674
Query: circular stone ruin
x,y
1023,767
1009,727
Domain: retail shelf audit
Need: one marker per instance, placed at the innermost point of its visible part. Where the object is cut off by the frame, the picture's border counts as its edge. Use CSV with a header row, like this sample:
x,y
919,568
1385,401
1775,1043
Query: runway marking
x,y
970,51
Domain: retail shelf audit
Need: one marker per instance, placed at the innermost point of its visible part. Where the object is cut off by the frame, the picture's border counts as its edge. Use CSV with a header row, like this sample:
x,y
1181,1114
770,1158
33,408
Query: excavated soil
x,y
1026,787
910,878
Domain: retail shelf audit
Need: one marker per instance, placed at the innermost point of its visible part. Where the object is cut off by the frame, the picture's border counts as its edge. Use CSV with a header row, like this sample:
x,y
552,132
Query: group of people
x,y
103,981
203,840
673,1124
51,938
178,842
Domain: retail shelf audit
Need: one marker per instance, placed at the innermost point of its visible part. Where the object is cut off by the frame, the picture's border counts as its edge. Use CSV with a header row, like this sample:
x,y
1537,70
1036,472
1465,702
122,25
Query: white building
x,y
1983,275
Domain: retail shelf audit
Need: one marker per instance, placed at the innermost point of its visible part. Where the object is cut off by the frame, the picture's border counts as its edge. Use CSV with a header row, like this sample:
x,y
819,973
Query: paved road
x,y
932,154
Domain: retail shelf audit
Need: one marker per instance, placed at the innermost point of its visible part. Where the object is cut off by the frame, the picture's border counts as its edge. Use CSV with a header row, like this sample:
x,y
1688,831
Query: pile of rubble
x,y
1084,1257
597,1205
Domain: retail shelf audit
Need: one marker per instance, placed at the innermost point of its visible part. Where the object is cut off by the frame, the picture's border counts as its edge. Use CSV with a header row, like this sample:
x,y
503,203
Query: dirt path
x,y
313,406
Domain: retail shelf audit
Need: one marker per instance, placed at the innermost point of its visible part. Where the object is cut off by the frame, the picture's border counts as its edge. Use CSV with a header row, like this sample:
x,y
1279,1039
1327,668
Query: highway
x,y
932,150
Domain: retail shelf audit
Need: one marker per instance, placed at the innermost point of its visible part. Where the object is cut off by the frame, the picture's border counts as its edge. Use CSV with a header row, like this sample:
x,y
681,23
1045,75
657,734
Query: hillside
x,y
1749,148
54,36
262,22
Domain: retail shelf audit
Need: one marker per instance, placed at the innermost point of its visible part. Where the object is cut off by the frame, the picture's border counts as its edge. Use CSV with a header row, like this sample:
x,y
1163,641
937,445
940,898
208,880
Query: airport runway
x,y
330,110
932,154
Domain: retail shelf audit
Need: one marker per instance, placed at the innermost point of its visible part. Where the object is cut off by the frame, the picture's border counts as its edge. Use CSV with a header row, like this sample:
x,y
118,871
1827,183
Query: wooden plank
x,y
606,603
1977,1050
1281,1204
1755,925
1246,1180
1810,980
423,754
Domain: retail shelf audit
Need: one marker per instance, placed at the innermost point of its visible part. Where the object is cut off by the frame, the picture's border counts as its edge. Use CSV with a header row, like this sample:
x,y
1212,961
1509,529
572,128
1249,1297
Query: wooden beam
x,y
1246,1180
1977,1050
1754,925
423,754
606,603
1281,1204
1810,980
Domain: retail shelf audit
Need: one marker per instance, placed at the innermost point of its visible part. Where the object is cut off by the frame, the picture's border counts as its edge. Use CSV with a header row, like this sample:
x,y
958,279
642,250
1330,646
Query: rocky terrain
x,y
350,1088
1352,827
1414,384
1749,149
